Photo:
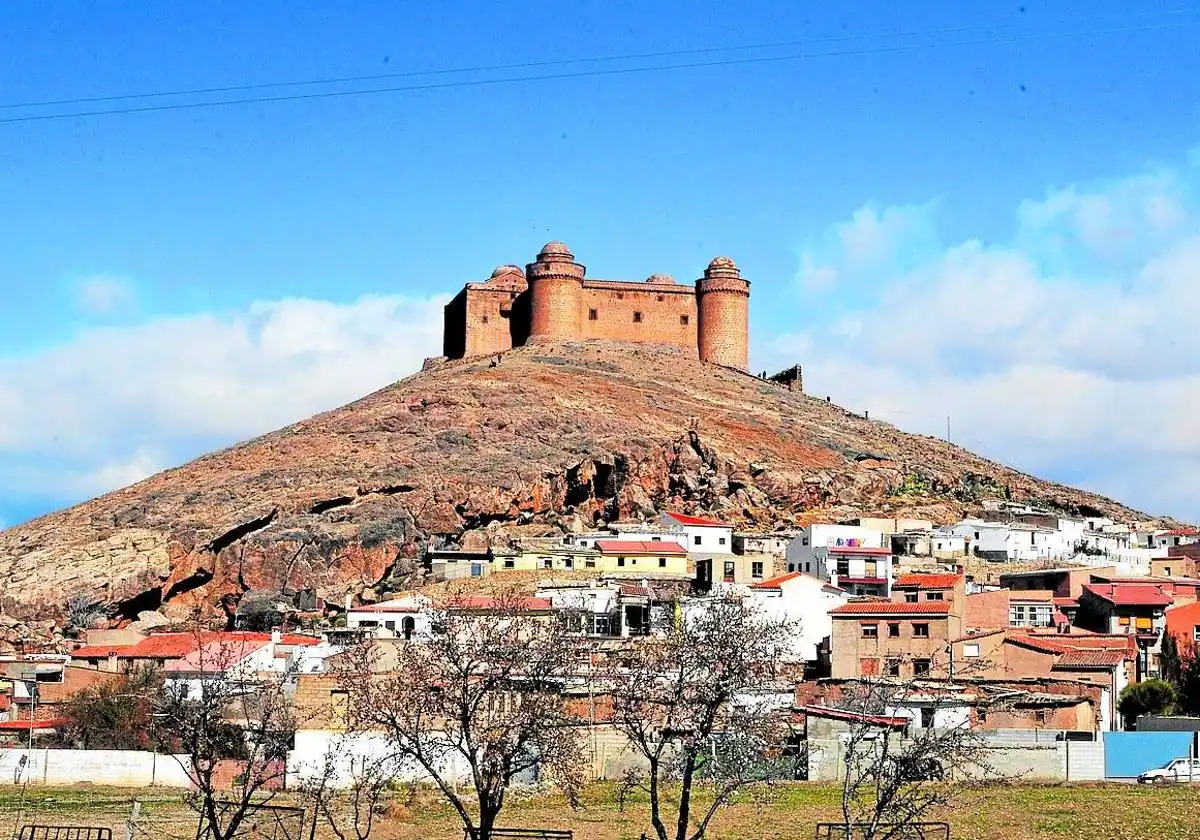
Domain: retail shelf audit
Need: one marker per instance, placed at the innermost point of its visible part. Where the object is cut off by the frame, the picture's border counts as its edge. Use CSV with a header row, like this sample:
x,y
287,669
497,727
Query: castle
x,y
553,300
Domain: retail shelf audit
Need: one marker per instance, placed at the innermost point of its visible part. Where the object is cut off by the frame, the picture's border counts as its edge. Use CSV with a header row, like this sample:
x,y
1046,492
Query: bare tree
x,y
690,702
349,810
479,695
222,710
905,738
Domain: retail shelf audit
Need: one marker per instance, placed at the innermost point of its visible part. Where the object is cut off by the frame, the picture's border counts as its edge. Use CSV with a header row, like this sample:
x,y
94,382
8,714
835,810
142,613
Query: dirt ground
x,y
1009,812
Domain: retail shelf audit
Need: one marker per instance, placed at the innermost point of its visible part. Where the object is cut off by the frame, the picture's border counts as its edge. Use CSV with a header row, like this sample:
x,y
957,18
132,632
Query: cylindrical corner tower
x,y
556,294
723,301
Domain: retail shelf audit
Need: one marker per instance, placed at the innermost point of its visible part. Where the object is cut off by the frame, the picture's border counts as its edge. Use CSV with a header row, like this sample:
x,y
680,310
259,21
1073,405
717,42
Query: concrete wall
x,y
1044,761
123,768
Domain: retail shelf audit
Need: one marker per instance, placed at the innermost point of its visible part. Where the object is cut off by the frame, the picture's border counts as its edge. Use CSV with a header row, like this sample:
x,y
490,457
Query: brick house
x,y
927,586
887,638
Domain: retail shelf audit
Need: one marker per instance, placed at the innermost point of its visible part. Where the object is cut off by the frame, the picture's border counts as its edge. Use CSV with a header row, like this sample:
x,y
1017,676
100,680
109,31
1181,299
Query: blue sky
x,y
988,218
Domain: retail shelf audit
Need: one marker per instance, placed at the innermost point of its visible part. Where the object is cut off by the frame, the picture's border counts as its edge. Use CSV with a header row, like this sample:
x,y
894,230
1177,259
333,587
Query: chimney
x,y
276,636
349,602
112,660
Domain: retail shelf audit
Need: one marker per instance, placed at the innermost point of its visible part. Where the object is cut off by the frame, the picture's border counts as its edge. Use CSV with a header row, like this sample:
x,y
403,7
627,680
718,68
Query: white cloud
x,y
1066,351
871,239
119,403
103,294
119,473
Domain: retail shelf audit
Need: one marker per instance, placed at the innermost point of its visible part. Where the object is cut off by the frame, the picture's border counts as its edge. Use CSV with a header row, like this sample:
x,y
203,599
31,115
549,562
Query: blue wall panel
x,y
1127,754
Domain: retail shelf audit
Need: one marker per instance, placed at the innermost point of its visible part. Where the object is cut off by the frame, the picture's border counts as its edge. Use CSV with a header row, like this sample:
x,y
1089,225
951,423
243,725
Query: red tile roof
x,y
697,521
857,717
776,582
1130,594
640,547
1090,659
939,608
928,581
1181,532
1065,602
25,725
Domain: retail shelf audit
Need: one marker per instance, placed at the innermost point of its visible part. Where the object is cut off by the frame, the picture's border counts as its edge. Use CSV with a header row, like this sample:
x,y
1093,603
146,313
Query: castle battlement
x,y
553,299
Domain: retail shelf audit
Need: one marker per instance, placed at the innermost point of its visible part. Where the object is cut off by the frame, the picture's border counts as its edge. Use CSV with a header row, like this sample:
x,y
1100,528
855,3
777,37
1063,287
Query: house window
x,y
1039,716
547,563
843,568
790,567
683,319
510,564
894,629
971,651
870,631
981,714
893,667
569,562
720,541
910,597
920,631
589,564
927,717
976,535
808,567
730,571
935,596
756,569
1167,571
408,626
637,317
620,561
391,625
920,666
656,539
1196,633
696,540
593,314
804,541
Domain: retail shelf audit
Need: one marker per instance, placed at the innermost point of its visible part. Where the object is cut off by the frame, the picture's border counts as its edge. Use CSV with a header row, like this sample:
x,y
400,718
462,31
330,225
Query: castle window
x,y
637,317
683,319
593,314
661,298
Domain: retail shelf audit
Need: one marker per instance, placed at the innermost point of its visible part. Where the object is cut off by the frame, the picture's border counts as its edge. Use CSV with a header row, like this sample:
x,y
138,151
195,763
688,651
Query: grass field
x,y
1018,812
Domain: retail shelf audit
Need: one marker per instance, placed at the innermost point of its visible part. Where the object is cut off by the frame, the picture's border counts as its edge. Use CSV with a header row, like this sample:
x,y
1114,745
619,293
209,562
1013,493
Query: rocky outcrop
x,y
547,439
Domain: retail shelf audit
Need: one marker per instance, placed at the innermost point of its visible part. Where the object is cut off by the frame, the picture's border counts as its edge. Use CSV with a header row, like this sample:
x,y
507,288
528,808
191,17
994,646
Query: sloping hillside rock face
x,y
541,440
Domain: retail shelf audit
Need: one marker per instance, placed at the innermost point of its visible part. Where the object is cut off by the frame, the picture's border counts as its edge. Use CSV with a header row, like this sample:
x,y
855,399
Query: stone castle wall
x,y
552,300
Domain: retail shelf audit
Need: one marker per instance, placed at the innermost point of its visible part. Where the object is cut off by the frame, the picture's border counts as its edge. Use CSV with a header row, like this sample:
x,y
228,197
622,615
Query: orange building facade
x,y
553,299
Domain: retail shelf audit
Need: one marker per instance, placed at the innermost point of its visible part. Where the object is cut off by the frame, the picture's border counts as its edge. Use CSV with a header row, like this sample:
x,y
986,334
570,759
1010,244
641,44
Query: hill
x,y
539,440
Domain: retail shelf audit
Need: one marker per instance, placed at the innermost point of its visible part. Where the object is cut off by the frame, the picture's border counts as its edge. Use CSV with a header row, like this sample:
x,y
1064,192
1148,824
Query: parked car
x,y
1179,770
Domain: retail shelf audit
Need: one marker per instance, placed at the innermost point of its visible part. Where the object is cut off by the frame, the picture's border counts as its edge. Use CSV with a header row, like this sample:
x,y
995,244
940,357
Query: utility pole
x,y
947,428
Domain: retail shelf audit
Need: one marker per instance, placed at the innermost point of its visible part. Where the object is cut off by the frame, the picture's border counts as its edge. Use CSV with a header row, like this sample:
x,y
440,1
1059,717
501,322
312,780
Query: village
x,y
1057,615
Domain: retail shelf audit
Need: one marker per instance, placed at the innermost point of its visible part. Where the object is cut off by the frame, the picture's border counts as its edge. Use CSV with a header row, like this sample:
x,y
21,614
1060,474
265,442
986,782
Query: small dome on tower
x,y
555,249
501,270
660,278
722,262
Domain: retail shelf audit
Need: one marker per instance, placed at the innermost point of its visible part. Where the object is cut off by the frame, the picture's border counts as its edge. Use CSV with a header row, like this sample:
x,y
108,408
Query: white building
x,y
805,601
808,548
399,618
608,609
850,557
627,531
703,535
